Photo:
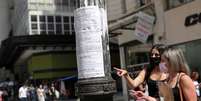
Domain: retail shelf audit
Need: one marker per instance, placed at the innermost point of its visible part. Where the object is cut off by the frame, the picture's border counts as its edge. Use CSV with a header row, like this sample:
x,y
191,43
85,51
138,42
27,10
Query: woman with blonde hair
x,y
179,79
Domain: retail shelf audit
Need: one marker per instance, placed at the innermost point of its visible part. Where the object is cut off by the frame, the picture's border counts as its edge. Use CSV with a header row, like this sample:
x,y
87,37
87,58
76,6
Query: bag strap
x,y
180,87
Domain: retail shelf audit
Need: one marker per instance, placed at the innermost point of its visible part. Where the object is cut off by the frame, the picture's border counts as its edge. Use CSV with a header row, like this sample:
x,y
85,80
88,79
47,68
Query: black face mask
x,y
155,61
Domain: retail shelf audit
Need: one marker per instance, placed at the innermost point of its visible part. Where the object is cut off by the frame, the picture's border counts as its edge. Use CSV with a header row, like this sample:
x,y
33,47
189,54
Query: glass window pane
x,y
34,18
50,18
58,27
34,32
43,26
72,26
42,18
72,19
66,19
58,18
66,27
34,26
50,26
175,3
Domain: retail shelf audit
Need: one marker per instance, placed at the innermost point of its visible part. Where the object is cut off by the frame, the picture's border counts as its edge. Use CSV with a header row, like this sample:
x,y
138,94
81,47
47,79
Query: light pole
x,y
92,50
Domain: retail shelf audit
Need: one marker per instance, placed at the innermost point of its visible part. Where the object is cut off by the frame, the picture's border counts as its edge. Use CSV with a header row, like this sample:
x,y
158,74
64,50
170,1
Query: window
x,y
42,26
72,27
72,24
66,27
42,18
66,24
50,18
175,3
72,19
137,54
66,19
58,28
58,18
34,18
52,24
191,50
34,26
34,32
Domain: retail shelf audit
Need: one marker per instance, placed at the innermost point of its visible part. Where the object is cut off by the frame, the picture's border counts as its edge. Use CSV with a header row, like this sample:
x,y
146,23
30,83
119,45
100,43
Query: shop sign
x,y
144,26
193,19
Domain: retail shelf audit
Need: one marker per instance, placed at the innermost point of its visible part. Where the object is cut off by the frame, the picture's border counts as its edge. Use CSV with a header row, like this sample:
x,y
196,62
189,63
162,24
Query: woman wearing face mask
x,y
181,84
150,74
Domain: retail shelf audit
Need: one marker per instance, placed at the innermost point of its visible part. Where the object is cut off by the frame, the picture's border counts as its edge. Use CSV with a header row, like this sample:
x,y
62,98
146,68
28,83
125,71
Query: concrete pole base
x,y
97,89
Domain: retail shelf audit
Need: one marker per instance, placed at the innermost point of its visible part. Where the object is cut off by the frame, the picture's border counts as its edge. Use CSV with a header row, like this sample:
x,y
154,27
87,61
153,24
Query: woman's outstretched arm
x,y
132,83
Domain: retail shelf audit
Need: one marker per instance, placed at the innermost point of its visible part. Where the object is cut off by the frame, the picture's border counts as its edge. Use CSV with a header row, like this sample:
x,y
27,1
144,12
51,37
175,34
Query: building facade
x,y
44,18
5,26
183,29
40,42
177,23
49,17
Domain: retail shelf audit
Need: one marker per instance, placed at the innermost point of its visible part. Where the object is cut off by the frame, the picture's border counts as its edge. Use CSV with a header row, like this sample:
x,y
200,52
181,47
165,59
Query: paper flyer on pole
x,y
89,28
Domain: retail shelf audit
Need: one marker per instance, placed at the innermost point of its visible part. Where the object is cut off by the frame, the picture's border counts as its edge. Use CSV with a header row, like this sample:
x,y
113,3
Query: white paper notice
x,y
89,28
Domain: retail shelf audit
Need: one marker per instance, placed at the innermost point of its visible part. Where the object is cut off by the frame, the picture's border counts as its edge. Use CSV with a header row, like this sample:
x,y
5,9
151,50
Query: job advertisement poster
x,y
89,28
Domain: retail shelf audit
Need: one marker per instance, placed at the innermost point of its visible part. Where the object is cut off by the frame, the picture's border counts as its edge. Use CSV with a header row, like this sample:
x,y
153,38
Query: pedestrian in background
x,y
41,93
23,90
194,77
32,92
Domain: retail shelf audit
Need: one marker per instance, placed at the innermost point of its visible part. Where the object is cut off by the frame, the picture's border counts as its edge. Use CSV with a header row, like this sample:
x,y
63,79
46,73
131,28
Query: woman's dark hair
x,y
161,48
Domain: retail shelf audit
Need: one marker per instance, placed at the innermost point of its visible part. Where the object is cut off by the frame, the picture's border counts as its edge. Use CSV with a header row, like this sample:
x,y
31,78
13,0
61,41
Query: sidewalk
x,y
116,97
119,97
